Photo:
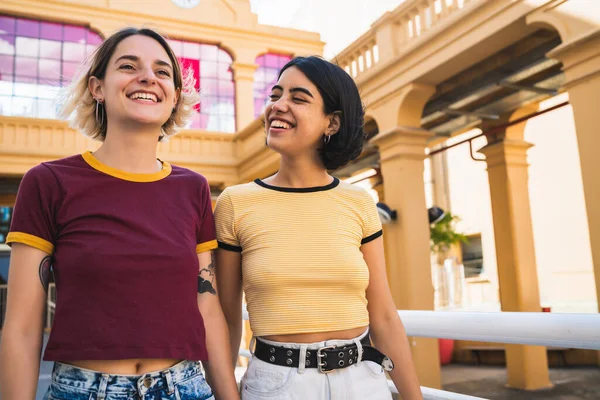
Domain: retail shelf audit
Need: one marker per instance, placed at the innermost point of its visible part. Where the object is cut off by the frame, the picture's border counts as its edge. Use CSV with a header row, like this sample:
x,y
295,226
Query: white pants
x,y
364,380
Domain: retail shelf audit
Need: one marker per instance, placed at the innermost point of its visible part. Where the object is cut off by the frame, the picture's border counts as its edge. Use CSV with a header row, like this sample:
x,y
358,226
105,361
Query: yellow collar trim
x,y
127,176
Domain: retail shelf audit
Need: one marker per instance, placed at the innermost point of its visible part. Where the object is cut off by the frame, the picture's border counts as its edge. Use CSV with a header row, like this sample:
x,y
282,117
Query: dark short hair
x,y
340,94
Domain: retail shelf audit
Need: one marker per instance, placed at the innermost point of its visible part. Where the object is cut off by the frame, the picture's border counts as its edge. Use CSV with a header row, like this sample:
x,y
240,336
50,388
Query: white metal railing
x,y
577,331
407,23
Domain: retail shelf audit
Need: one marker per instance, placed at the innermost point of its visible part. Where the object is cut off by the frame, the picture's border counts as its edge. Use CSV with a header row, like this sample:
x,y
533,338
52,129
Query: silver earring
x,y
326,139
99,112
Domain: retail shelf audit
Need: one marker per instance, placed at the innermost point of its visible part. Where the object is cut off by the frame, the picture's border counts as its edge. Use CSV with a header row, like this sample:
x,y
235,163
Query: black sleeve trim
x,y
229,247
372,237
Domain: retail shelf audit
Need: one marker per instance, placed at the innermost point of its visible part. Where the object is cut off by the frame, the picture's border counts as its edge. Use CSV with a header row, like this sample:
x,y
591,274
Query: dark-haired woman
x,y
307,251
129,238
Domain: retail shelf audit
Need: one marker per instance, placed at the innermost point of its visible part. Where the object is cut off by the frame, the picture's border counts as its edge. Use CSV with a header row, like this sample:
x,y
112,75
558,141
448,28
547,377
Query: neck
x,y
131,150
300,173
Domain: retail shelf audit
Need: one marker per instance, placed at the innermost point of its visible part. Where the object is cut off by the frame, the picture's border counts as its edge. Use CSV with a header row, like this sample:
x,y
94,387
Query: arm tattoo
x,y
206,278
44,272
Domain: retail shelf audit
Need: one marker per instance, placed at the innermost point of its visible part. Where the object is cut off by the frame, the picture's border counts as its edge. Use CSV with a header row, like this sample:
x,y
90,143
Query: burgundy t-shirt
x,y
124,252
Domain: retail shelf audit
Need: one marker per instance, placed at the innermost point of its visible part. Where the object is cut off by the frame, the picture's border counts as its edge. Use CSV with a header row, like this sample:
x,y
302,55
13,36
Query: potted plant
x,y
447,271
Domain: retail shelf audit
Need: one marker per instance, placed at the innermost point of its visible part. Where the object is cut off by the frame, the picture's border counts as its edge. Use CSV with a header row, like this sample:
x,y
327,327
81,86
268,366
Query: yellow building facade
x,y
428,71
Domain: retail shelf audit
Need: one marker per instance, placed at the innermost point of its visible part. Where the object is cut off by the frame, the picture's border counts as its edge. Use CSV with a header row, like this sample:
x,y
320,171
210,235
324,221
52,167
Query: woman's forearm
x,y
220,372
19,365
235,338
390,338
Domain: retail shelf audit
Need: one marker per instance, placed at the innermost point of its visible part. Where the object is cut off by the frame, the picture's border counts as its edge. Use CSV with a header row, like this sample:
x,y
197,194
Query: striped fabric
x,y
301,262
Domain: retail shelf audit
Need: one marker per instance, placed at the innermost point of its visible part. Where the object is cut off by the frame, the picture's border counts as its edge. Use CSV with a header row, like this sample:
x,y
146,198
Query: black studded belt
x,y
325,359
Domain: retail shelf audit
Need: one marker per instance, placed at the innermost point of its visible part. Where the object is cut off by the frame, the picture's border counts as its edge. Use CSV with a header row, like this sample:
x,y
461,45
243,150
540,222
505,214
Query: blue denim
x,y
183,381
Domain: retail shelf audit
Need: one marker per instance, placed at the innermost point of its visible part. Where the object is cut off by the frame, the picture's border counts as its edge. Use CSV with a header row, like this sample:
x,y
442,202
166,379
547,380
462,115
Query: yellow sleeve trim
x,y
206,246
31,240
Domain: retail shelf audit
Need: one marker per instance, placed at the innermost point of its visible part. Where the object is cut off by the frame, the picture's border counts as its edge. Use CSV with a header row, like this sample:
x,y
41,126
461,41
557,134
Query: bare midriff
x,y
136,366
317,336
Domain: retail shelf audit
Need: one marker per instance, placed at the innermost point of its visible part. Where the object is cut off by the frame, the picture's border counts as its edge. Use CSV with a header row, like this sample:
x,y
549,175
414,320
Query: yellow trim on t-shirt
x,y
206,246
30,240
127,176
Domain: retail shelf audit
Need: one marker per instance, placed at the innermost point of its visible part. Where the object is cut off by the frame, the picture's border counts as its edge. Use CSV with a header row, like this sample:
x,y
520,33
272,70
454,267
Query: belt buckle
x,y
321,355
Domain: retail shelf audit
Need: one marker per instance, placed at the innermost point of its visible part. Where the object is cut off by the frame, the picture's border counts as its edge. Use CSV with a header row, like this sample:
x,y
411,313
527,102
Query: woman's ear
x,y
176,98
335,123
95,87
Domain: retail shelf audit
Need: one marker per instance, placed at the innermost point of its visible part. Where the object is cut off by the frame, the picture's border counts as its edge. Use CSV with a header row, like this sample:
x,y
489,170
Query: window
x,y
5,218
472,254
36,59
265,78
211,67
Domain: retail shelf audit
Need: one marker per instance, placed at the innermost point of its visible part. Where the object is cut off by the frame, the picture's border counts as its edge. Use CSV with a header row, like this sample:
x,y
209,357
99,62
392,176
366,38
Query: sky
x,y
339,22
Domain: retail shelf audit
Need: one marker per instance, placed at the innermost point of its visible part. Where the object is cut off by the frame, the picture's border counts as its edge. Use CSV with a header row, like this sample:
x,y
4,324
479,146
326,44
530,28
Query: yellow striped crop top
x,y
302,267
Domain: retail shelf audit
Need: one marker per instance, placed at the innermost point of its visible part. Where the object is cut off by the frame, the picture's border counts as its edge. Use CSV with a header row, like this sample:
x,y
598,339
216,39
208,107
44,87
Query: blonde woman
x,y
129,240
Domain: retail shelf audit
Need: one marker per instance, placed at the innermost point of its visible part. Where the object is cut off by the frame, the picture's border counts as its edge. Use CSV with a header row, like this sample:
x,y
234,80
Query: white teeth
x,y
280,124
144,96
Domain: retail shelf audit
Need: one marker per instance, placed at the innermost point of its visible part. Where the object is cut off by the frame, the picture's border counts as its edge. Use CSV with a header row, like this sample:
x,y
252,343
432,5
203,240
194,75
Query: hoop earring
x,y
326,139
99,112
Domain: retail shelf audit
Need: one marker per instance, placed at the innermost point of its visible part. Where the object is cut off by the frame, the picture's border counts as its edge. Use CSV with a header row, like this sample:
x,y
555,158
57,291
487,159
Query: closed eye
x,y
164,72
274,96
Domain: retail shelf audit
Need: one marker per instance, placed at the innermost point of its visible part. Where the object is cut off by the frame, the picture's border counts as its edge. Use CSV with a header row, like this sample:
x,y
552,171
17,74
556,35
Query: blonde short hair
x,y
79,106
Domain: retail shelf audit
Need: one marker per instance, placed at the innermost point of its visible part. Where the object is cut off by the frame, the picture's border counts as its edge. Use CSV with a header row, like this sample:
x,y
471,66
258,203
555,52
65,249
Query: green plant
x,y
443,234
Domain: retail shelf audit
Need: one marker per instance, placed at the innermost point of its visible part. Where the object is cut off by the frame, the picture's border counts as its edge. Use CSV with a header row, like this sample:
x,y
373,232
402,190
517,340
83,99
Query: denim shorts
x,y
364,380
183,381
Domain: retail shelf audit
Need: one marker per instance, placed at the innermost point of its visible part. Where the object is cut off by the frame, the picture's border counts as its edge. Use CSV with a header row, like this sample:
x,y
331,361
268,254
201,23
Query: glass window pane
x,y
28,46
226,89
224,57
89,49
25,87
6,85
6,105
225,71
51,30
22,106
176,45
208,52
6,65
7,24
69,69
191,50
7,44
74,34
27,27
93,38
73,51
261,60
209,87
49,69
48,88
26,67
46,109
208,68
50,49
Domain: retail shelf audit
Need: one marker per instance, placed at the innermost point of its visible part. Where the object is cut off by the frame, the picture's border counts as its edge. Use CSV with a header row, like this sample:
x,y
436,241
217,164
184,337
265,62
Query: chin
x,y
144,119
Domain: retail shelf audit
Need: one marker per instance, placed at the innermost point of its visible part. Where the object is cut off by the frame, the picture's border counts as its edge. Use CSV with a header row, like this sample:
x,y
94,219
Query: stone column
x,y
406,241
506,157
243,74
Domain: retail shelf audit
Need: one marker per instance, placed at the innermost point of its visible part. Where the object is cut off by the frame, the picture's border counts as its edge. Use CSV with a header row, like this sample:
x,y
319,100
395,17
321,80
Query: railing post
x,y
386,36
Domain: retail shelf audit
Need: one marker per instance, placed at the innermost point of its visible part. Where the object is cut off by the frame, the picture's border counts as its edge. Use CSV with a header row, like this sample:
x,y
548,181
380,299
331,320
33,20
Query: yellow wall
x,y
560,226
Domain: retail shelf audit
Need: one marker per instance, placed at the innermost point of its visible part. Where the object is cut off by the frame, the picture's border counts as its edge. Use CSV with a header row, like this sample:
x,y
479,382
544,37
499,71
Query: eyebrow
x,y
136,59
295,89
